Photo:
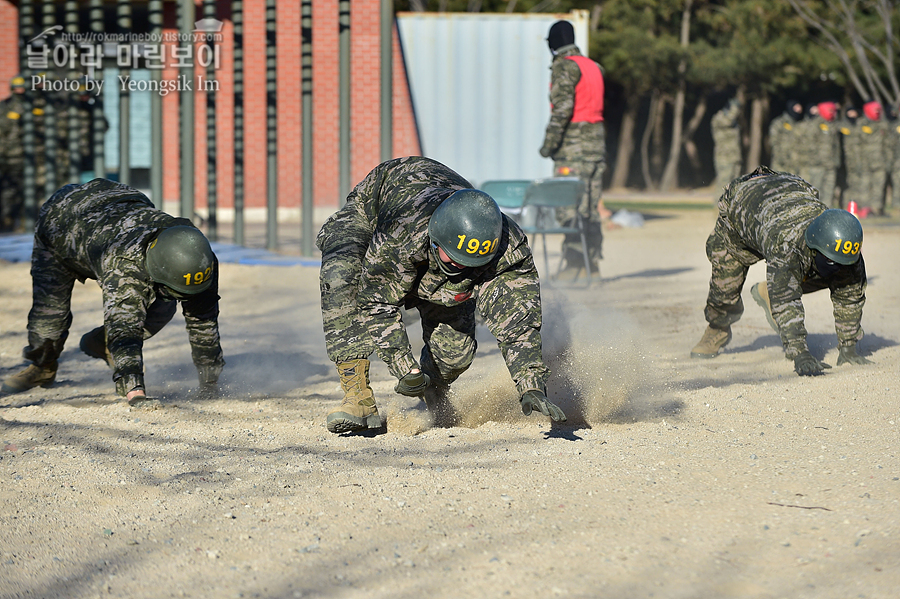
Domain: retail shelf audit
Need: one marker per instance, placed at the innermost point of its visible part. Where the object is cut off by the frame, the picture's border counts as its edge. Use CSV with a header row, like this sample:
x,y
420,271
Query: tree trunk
x,y
626,146
670,173
645,139
690,148
758,107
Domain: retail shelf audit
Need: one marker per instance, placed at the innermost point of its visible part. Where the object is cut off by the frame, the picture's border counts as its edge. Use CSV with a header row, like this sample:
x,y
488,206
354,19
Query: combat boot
x,y
437,398
358,410
760,293
712,341
31,377
93,343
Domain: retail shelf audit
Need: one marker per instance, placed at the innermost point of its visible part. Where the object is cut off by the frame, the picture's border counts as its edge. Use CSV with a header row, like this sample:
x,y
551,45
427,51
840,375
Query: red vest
x,y
588,92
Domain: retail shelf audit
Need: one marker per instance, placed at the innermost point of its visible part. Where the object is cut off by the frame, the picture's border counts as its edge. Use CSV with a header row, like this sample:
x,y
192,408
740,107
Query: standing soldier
x,y
785,139
145,262
777,217
12,158
894,134
866,159
576,141
824,151
413,233
726,134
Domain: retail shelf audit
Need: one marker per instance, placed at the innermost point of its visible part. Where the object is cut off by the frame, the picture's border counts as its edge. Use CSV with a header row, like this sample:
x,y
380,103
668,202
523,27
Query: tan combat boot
x,y
31,377
760,293
358,410
712,341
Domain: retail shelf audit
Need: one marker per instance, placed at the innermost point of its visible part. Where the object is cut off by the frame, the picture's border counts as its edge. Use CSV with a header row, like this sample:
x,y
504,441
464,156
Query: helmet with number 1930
x,y
180,258
467,226
837,235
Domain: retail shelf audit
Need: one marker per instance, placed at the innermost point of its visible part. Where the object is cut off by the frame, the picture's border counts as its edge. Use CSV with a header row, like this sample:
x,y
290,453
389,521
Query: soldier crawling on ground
x,y
777,217
145,262
413,233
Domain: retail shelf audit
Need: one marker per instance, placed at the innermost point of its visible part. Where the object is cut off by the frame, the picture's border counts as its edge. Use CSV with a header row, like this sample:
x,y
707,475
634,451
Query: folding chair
x,y
546,196
508,193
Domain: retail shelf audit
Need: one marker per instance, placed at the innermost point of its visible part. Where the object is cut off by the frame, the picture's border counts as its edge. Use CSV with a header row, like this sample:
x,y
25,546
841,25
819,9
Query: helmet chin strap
x,y
446,268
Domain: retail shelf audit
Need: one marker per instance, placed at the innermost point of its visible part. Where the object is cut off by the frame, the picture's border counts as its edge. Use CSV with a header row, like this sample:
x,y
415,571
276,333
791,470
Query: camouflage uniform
x,y
785,138
100,230
577,150
12,161
823,151
727,140
764,216
866,157
377,258
894,135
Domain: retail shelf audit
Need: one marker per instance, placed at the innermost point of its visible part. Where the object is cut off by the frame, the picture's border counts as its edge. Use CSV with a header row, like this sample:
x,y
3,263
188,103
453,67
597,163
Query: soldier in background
x,y
145,262
866,158
726,134
785,139
414,234
824,150
777,217
575,139
12,156
894,135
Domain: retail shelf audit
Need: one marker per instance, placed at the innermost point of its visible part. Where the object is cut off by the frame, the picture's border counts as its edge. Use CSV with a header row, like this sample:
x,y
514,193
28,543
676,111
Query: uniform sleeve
x,y
125,301
564,75
784,281
848,296
386,279
510,304
201,314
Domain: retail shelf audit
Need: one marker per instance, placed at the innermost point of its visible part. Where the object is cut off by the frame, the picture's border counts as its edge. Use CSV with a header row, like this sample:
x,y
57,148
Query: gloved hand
x,y
536,400
413,384
847,355
807,365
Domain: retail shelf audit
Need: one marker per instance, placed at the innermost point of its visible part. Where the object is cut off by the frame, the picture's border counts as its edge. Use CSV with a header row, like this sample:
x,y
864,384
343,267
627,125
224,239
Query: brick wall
x,y
365,103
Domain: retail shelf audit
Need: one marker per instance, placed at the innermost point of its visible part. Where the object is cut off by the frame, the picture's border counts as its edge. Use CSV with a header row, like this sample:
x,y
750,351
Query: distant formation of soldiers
x,y
59,112
852,157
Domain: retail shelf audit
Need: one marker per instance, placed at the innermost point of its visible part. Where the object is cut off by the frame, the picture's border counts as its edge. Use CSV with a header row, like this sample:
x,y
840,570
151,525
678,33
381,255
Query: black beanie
x,y
561,34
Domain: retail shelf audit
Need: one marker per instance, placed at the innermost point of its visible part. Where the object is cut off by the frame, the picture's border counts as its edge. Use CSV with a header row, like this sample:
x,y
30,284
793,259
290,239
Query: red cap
x,y
828,110
872,110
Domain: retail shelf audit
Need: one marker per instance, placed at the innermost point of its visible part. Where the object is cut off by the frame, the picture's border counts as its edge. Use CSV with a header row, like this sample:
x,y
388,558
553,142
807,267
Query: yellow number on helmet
x,y
485,248
848,247
472,246
198,278
856,248
462,239
187,279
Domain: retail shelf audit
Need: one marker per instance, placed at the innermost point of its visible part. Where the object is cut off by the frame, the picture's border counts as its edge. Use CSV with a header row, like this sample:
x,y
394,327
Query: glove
x,y
807,365
413,384
536,400
847,355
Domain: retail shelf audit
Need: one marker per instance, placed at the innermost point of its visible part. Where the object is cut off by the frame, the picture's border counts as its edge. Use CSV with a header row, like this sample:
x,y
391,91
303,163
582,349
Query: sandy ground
x,y
673,478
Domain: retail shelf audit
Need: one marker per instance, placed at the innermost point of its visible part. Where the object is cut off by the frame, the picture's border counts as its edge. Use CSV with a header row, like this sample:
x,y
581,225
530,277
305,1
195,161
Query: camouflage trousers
x,y
51,316
824,179
448,332
12,196
866,188
730,264
591,172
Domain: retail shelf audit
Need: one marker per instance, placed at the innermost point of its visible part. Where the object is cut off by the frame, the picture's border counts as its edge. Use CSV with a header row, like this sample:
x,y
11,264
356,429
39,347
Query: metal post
x,y
271,128
29,204
123,21
212,231
50,126
186,9
97,117
155,16
344,86
306,88
387,93
74,104
237,18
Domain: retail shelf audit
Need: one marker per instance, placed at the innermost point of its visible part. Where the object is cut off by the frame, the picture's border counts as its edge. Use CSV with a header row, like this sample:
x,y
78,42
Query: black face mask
x,y
562,33
825,267
451,270
169,293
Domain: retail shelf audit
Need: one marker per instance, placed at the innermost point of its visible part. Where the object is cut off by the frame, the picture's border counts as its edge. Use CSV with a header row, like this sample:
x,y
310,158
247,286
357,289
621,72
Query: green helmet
x,y
467,226
837,235
17,82
180,258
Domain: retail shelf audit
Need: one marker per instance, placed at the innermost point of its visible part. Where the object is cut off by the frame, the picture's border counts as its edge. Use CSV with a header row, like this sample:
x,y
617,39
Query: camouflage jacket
x,y
867,145
768,215
100,230
11,149
394,204
564,140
